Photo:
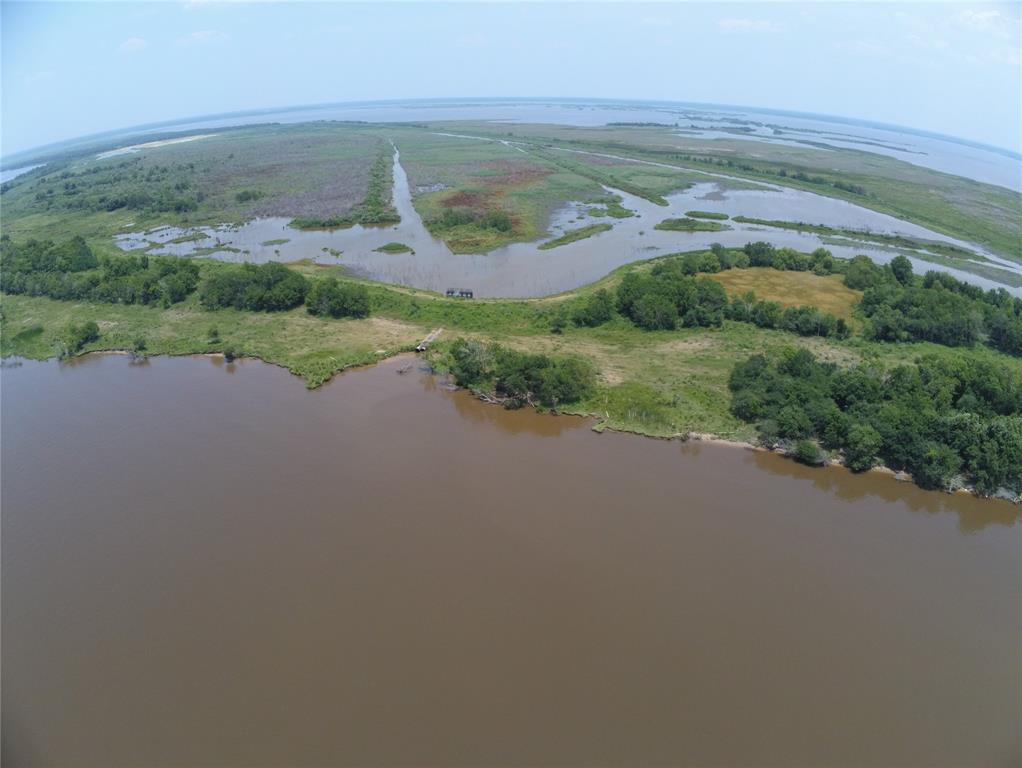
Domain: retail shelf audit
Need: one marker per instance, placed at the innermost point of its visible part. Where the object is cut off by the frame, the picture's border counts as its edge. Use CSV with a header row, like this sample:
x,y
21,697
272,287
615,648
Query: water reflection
x,y
974,514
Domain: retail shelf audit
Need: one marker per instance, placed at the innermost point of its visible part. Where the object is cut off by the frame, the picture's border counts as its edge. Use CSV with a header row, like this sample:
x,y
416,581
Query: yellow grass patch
x,y
792,289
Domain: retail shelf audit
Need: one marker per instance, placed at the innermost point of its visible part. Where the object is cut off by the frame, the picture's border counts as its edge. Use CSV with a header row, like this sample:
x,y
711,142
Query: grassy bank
x,y
658,383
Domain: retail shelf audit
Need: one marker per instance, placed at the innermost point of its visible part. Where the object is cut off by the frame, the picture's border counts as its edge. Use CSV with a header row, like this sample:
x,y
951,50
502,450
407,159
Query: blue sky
x,y
70,69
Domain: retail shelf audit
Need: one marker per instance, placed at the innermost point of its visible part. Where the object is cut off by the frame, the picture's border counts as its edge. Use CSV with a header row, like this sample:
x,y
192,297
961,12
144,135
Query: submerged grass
x,y
690,225
573,235
394,248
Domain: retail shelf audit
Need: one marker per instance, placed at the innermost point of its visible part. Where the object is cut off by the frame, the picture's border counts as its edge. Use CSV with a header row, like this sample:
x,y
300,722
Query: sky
x,y
71,69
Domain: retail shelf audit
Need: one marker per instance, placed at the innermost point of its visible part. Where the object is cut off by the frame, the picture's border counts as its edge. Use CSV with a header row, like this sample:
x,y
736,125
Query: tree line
x,y
671,295
945,420
903,306
519,378
70,271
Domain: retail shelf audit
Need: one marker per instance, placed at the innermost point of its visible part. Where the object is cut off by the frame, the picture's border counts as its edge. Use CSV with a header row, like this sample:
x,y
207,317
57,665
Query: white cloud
x,y
133,45
203,36
747,25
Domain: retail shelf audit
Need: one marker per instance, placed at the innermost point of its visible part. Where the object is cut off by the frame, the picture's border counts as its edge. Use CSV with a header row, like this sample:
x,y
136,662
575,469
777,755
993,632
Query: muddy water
x,y
522,269
207,564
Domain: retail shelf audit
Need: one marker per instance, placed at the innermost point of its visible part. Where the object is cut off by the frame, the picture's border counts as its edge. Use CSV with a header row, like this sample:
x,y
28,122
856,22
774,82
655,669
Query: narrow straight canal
x,y
207,564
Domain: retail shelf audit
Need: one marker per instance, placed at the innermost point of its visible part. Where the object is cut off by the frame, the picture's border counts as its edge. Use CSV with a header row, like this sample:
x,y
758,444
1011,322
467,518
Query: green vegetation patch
x,y
902,417
394,248
613,208
313,170
690,225
574,235
707,215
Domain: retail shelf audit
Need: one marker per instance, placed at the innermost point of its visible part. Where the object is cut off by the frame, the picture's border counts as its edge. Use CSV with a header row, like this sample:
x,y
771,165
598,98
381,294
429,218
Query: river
x,y
206,564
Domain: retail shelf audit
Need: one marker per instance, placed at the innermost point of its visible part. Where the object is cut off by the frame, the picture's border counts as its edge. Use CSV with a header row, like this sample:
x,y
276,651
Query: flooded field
x,y
523,269
207,564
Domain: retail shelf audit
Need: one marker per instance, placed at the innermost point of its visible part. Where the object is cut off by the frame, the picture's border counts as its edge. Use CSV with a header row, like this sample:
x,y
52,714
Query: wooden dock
x,y
424,344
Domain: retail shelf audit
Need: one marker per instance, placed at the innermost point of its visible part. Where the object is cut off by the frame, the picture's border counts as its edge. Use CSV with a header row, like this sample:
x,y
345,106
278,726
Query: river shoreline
x,y
597,426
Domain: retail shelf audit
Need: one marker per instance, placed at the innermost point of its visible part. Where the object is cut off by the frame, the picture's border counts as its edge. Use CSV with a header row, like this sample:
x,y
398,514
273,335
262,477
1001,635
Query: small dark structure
x,y
459,293
423,345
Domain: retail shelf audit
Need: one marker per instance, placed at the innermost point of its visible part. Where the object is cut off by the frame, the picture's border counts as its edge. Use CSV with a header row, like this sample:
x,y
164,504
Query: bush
x,y
655,312
598,309
808,452
861,447
521,378
270,287
77,336
335,299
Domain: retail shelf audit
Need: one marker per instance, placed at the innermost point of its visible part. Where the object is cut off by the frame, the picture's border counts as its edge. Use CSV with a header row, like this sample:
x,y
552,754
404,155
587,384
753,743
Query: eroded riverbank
x,y
494,586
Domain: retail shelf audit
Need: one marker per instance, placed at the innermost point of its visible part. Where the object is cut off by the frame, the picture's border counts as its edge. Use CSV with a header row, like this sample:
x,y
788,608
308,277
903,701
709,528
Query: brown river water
x,y
208,565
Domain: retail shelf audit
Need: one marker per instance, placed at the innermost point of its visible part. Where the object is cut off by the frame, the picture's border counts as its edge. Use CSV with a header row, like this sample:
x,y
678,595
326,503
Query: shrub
x,y
335,299
269,287
598,309
808,452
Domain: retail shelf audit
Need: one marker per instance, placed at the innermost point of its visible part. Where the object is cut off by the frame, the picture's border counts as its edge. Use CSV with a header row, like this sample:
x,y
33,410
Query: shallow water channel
x,y
522,269
207,564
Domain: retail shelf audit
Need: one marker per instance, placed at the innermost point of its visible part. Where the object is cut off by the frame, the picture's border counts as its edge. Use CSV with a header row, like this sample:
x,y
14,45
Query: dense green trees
x,y
71,271
330,297
449,218
521,378
940,419
902,306
667,297
670,295
269,287
761,254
